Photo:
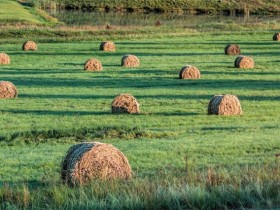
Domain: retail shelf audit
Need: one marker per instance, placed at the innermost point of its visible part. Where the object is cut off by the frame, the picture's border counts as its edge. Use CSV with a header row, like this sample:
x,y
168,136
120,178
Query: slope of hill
x,y
12,12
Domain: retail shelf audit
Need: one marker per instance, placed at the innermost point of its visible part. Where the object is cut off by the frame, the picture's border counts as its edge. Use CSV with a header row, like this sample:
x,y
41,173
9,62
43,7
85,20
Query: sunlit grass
x,y
181,157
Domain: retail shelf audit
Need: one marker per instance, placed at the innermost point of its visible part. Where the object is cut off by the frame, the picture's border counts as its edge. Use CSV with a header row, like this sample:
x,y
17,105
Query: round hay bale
x,y
29,45
189,72
7,90
4,58
232,49
93,65
224,105
276,37
244,62
125,103
108,46
94,160
130,61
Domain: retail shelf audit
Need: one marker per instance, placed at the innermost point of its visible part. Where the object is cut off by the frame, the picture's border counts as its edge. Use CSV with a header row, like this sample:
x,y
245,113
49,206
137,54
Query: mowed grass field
x,y
181,157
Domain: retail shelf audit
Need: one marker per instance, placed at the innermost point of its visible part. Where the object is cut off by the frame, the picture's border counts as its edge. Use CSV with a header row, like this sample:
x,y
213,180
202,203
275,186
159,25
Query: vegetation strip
x,y
193,6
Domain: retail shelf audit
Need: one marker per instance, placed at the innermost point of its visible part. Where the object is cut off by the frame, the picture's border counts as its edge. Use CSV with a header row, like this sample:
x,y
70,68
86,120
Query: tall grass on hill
x,y
14,13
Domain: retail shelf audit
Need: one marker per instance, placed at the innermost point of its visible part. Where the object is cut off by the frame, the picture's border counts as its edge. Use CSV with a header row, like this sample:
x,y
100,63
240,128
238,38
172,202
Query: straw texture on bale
x,y
276,37
29,45
189,72
130,61
244,62
93,65
94,160
7,90
4,58
108,46
232,49
224,105
125,103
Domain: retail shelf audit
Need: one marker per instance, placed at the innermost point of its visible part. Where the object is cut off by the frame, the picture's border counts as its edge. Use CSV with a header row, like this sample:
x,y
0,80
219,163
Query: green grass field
x,y
181,157
60,104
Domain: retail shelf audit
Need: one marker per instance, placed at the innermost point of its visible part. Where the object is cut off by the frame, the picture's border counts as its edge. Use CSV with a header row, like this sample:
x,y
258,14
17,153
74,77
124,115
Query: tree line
x,y
195,6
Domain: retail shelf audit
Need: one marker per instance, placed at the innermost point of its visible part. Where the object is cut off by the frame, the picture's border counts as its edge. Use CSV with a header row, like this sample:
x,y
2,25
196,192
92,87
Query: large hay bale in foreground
x,y
7,90
232,49
108,46
94,160
29,45
189,72
276,37
130,61
125,103
4,58
244,62
93,65
224,105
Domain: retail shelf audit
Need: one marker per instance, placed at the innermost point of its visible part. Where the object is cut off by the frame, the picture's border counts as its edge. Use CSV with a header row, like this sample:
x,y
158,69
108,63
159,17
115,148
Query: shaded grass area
x,y
80,134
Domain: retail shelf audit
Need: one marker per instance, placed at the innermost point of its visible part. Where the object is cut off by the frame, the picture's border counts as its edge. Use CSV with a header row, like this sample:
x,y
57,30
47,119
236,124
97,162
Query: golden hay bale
x,y
94,160
130,61
29,45
7,90
224,105
125,103
244,62
276,37
108,46
93,65
189,72
4,58
232,49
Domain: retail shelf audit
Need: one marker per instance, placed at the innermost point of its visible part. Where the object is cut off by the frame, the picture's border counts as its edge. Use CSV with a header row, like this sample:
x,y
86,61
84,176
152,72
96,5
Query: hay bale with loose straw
x,y
108,46
189,72
93,65
232,49
94,160
125,103
29,45
224,105
276,37
7,90
4,58
244,62
130,61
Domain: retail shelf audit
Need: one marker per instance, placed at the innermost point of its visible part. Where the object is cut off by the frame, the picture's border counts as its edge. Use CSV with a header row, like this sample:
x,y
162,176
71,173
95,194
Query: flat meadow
x,y
181,157
59,104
